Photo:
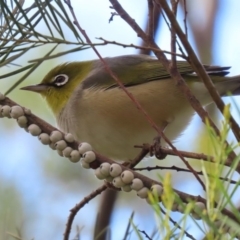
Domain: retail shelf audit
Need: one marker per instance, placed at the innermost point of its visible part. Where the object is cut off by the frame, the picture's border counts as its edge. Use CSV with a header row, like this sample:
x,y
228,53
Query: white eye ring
x,y
60,80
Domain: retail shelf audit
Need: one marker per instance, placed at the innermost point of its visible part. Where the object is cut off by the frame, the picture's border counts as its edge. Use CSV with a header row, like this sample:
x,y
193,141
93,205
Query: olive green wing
x,y
138,69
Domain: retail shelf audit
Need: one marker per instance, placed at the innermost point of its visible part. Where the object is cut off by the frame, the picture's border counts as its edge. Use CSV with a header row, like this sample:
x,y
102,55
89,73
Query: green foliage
x,y
219,195
21,32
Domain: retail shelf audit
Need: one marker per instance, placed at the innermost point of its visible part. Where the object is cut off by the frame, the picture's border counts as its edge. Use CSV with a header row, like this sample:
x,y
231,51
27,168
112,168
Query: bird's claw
x,y
156,150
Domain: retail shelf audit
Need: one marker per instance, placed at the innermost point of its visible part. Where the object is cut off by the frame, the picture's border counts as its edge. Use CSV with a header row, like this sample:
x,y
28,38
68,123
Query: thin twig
x,y
155,23
177,225
173,35
145,234
169,27
78,206
27,40
169,151
14,12
150,29
178,169
140,47
185,18
126,234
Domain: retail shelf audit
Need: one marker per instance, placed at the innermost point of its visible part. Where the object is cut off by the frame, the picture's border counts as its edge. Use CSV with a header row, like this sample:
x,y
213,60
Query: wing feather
x,y
138,69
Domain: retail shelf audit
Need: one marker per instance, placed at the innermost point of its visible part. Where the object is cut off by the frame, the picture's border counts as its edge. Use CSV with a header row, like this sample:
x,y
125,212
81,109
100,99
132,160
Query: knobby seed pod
x,y
89,156
127,176
157,189
117,182
143,193
105,169
27,111
5,110
56,136
69,137
84,147
181,207
22,122
115,170
137,184
44,138
52,146
84,164
74,156
126,188
34,129
98,174
109,179
67,151
60,145
16,112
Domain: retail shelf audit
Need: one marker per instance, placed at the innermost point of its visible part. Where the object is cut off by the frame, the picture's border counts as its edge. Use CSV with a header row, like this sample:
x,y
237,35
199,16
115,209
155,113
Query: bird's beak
x,y
35,88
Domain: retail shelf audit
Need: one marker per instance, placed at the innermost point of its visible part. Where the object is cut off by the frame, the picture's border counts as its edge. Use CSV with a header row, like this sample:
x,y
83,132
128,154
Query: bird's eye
x,y
60,80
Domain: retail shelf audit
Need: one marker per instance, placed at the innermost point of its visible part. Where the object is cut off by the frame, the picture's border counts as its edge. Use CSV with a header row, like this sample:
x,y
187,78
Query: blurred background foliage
x,y
37,187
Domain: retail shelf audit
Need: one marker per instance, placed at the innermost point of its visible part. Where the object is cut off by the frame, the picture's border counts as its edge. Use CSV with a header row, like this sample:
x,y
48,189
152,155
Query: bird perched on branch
x,y
88,103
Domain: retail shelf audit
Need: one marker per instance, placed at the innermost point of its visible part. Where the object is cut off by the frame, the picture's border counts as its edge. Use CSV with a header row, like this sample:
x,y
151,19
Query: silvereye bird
x,y
87,102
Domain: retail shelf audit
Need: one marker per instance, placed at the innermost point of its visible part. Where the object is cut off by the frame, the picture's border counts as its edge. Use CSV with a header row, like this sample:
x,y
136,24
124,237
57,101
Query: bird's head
x,y
59,84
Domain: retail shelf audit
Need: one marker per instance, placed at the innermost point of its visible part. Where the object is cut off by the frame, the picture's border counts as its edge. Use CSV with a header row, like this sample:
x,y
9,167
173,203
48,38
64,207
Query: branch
x,y
197,156
105,42
78,206
178,169
38,127
177,225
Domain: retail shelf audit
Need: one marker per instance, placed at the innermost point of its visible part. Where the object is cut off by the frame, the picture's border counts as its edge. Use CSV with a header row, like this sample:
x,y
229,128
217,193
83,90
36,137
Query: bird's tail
x,y
229,85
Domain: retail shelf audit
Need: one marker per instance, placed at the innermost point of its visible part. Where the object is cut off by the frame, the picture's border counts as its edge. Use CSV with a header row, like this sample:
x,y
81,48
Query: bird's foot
x,y
156,149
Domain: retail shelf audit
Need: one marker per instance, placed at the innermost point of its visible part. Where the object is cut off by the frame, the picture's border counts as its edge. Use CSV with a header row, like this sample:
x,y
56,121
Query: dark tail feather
x,y
216,70
230,85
